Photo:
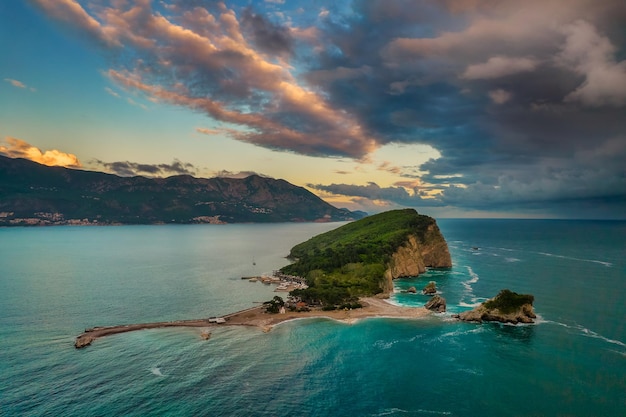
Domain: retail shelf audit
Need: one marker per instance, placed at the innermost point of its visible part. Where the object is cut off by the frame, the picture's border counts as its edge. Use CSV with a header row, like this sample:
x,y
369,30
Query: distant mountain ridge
x,y
35,194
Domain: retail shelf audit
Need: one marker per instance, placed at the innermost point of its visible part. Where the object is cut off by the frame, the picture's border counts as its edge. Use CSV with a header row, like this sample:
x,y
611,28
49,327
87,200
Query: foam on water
x,y
420,411
469,290
156,371
512,259
570,258
582,331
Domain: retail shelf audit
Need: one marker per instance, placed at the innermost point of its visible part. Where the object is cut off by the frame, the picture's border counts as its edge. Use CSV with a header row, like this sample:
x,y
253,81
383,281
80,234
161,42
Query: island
x,y
506,307
344,274
362,258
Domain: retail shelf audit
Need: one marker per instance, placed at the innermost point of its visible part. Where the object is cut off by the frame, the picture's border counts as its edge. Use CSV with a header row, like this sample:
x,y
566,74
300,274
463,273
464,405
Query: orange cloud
x,y
16,148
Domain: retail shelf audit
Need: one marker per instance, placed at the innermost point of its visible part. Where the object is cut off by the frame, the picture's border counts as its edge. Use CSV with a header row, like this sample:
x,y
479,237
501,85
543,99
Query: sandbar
x,y
256,316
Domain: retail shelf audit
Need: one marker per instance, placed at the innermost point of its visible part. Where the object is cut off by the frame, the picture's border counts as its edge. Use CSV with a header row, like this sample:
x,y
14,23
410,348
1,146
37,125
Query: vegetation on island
x,y
508,301
273,306
350,261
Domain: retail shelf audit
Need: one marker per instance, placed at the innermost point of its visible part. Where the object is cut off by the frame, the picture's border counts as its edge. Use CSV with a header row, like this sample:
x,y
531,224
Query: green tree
x,y
273,306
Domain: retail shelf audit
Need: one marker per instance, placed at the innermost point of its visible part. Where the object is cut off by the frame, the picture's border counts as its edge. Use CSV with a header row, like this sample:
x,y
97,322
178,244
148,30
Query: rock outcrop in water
x,y
506,307
430,288
437,303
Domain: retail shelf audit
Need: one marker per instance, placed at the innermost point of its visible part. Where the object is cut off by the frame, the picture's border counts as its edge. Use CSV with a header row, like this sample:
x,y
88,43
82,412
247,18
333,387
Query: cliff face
x,y
412,258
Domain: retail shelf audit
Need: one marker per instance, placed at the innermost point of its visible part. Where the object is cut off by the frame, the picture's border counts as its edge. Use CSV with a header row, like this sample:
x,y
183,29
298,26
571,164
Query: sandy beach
x,y
372,307
256,316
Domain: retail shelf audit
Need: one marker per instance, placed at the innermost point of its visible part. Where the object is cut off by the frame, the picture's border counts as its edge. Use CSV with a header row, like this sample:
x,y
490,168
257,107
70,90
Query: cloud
x,y
229,67
111,92
131,169
268,37
17,148
592,56
15,83
499,66
240,174
372,191
500,96
19,84
73,14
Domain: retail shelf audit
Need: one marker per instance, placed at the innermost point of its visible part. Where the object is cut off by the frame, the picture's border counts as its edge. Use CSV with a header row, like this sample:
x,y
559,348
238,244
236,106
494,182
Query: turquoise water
x,y
56,281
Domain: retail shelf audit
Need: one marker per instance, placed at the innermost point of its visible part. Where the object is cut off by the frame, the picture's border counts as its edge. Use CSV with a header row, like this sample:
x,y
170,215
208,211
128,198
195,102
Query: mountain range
x,y
35,194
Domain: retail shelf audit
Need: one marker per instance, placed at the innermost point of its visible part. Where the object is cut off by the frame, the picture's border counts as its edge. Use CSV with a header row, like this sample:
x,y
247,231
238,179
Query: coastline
x,y
257,317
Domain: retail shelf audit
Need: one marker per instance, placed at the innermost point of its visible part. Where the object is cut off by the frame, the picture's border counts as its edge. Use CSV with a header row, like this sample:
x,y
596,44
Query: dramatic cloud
x,y
131,169
17,148
200,58
520,98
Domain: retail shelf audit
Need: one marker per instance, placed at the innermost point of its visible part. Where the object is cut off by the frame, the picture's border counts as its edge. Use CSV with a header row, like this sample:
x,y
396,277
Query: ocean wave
x,y
583,331
591,333
383,345
478,329
441,413
469,290
512,260
553,255
471,371
400,411
471,305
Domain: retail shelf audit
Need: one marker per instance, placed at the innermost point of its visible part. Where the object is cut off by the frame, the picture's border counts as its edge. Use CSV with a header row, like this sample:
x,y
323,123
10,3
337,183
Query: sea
x,y
57,281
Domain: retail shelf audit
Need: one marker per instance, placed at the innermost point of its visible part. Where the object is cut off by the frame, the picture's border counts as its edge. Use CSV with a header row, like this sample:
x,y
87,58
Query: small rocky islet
x,y
506,307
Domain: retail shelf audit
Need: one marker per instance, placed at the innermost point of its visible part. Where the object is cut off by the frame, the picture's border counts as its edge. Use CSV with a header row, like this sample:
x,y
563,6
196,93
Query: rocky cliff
x,y
506,307
420,250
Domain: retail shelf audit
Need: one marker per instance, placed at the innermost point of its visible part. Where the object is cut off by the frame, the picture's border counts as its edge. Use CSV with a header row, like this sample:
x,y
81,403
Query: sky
x,y
457,108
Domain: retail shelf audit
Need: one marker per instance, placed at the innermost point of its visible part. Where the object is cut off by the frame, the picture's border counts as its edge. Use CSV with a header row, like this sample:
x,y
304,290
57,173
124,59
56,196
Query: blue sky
x,y
459,108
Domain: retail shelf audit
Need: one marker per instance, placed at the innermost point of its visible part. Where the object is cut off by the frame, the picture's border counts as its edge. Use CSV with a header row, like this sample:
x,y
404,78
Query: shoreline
x,y
257,317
